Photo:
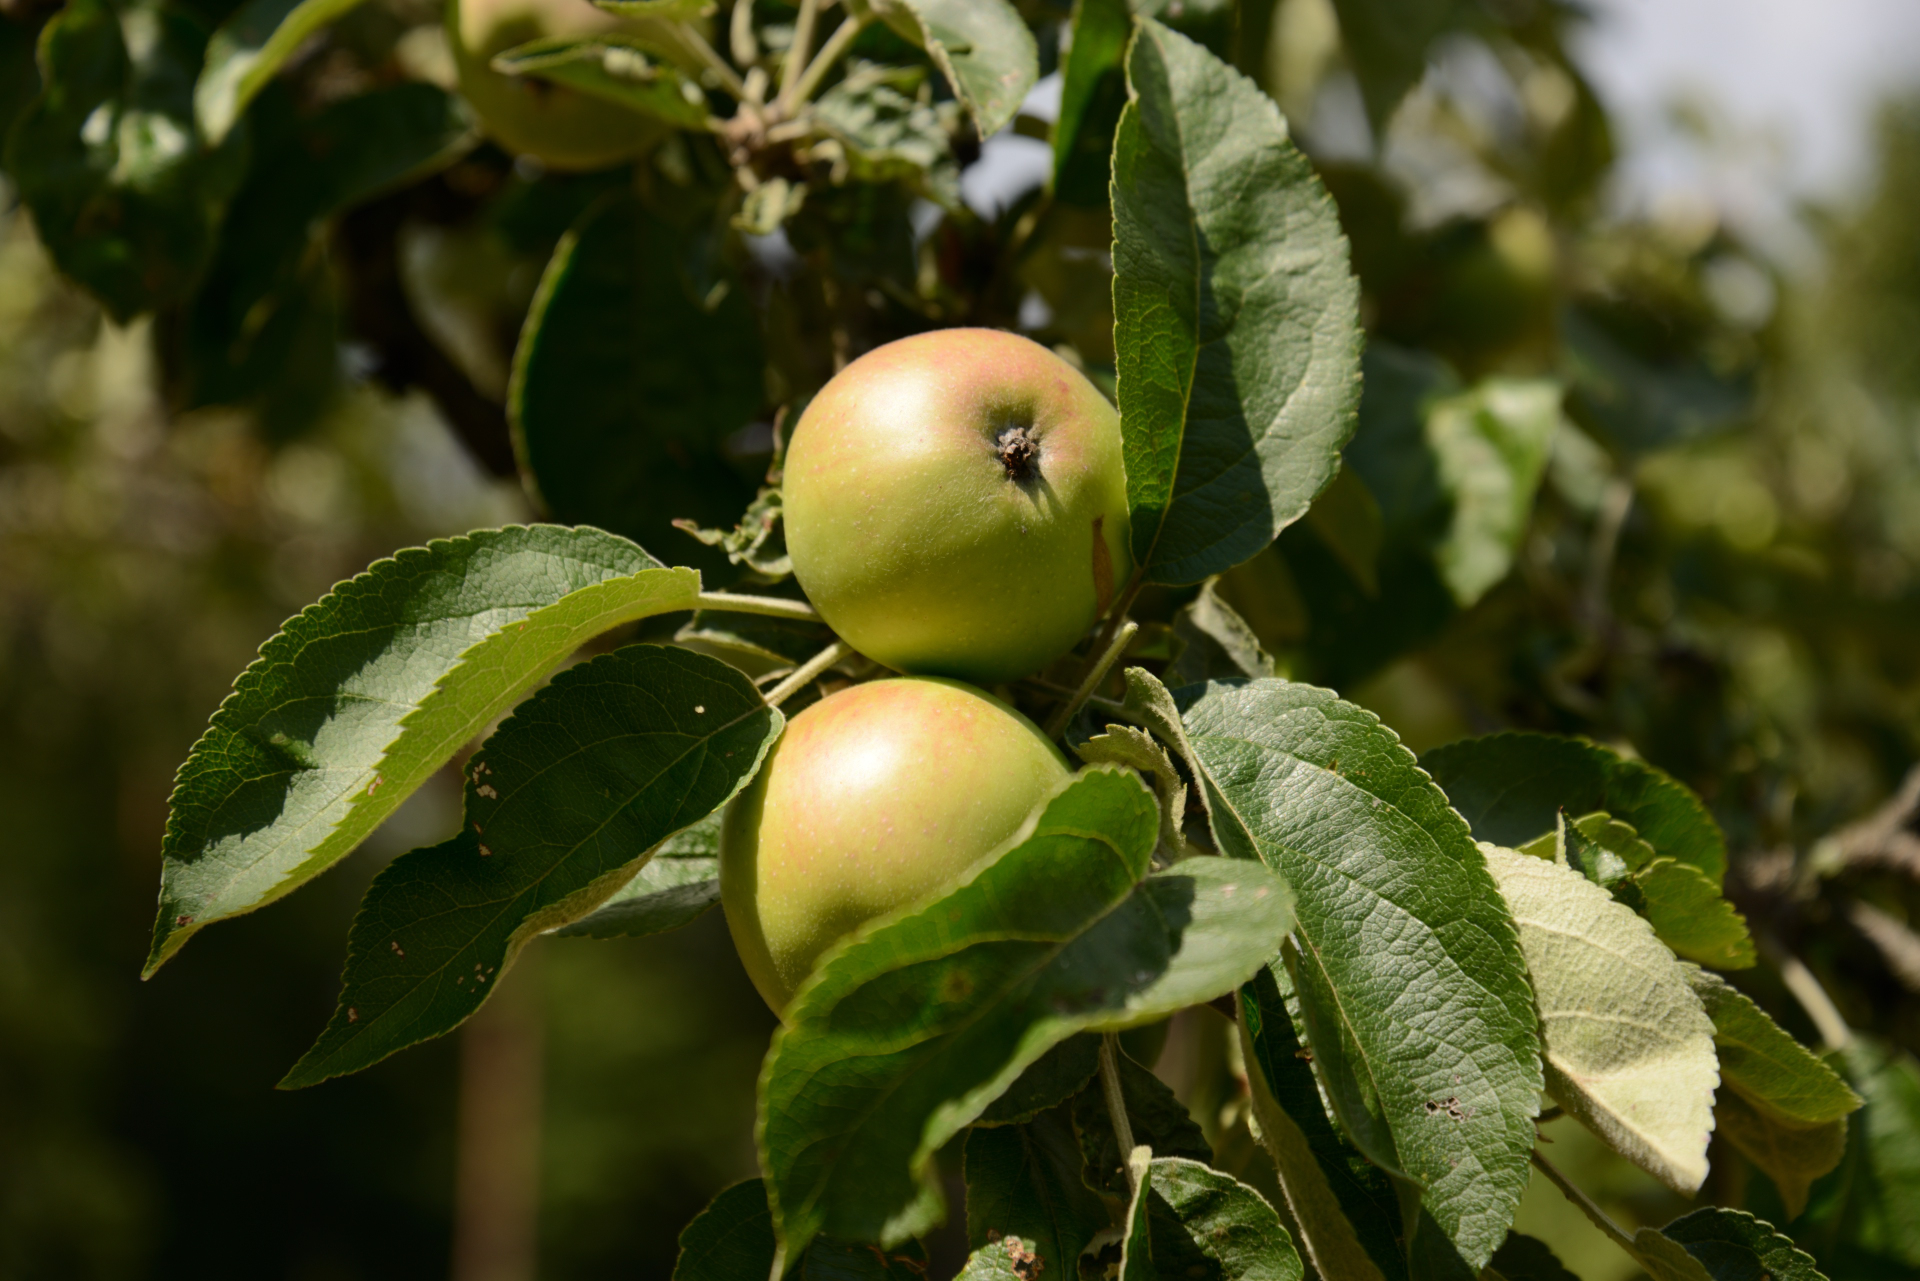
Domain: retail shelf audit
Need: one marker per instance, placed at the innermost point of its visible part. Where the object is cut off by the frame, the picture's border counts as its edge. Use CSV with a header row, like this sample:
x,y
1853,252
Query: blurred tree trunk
x,y
497,1164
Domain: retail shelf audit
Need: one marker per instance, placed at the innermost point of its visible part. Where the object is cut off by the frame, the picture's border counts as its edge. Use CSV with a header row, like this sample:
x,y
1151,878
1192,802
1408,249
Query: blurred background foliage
x,y
1619,473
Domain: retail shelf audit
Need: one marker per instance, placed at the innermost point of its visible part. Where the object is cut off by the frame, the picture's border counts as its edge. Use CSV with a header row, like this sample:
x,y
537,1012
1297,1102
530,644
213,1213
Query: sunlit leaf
x,y
1203,1224
904,1034
614,67
1511,787
1629,1051
1686,909
1490,448
361,696
1410,973
889,136
563,803
982,47
1236,314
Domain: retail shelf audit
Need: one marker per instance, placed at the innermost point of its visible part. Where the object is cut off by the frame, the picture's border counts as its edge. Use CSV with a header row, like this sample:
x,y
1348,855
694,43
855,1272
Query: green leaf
x,y
1511,786
1793,1156
732,1240
1734,1246
1878,1212
1414,991
1203,1224
678,885
982,47
888,136
1236,323
1346,1210
616,67
125,196
1685,909
1157,1118
1629,1051
1218,642
1137,749
1490,446
1093,92
359,697
1026,1203
1049,1081
248,49
1387,43
564,802
624,385
904,1034
1761,1061
1525,1258
1640,402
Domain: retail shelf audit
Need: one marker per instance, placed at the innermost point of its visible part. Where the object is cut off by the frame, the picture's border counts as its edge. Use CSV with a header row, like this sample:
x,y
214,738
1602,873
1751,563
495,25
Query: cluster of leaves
x,y
1412,949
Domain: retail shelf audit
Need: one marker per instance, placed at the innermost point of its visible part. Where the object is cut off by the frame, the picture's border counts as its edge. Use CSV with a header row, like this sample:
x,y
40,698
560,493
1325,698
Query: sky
x,y
1791,84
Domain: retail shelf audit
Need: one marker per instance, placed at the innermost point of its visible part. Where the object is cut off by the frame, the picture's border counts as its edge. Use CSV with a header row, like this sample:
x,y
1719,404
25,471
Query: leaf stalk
x,y
728,77
1095,674
807,671
1117,1104
796,59
771,606
837,44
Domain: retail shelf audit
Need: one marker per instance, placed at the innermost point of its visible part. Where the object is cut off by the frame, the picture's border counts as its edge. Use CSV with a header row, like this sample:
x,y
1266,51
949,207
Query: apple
x,y
561,127
873,798
956,505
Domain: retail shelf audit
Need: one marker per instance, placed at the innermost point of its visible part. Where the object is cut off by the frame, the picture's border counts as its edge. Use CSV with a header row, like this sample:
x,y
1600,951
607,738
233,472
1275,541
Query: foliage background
x,y
1752,630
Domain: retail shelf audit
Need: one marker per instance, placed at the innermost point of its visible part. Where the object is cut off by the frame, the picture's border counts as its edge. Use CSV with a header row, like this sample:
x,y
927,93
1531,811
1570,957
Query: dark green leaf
x,y
266,306
1734,1246
1348,1213
1387,43
1792,1155
1219,645
732,1240
1511,787
1050,1080
1878,1214
1412,984
1206,1225
679,884
1236,315
617,67
624,385
564,801
1025,1199
982,47
1640,403
125,196
361,696
904,1034
1092,94
1524,1258
1158,1119
248,49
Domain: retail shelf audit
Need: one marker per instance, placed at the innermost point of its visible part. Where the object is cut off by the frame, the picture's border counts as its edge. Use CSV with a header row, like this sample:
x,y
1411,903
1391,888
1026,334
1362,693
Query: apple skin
x,y
873,798
907,531
562,128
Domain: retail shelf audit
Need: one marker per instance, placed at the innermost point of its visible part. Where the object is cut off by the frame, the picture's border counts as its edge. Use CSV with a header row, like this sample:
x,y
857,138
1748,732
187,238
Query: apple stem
x,y
807,671
1095,674
1117,1104
772,606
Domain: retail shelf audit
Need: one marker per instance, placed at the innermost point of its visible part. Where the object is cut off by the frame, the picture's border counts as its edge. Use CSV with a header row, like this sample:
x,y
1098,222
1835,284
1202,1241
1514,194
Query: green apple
x,y
874,798
562,128
956,504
